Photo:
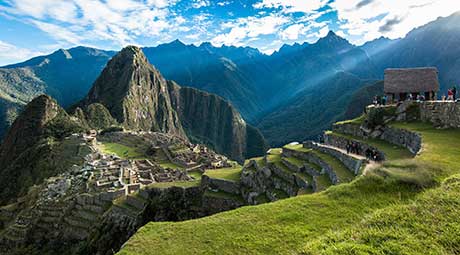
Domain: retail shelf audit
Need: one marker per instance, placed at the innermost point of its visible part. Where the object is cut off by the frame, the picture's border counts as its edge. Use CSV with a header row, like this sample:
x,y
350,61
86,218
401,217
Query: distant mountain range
x,y
290,95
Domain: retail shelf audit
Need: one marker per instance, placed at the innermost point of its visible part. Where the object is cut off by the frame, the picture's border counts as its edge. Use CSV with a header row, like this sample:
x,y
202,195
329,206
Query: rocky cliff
x,y
210,119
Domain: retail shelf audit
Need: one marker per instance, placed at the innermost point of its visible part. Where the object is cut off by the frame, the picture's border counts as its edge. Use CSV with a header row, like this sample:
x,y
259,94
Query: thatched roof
x,y
411,80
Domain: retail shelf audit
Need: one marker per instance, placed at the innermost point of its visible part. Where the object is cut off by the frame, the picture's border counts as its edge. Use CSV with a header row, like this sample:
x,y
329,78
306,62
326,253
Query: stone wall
x,y
349,129
441,113
353,164
410,140
312,158
341,142
220,184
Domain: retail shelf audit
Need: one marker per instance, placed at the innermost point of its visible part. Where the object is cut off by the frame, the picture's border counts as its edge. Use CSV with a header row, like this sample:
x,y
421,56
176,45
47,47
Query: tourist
x,y
450,95
409,98
348,147
368,153
374,155
384,100
375,101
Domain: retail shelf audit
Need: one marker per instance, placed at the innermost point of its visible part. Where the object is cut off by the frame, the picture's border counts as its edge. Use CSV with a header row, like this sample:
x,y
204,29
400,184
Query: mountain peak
x,y
135,94
332,40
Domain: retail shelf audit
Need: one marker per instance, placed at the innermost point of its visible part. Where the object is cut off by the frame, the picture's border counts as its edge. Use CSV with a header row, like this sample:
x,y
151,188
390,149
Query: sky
x,y
36,27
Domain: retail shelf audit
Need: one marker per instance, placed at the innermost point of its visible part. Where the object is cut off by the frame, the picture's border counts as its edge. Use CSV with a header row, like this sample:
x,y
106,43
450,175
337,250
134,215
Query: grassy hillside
x,y
405,206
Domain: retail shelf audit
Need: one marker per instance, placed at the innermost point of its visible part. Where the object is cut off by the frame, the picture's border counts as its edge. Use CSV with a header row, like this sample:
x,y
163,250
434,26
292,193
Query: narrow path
x,y
341,150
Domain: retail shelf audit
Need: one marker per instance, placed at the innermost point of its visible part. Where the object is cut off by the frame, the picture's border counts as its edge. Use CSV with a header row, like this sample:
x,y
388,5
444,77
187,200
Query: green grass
x,y
392,152
195,174
122,151
297,147
184,184
295,161
339,168
356,121
399,208
322,182
230,174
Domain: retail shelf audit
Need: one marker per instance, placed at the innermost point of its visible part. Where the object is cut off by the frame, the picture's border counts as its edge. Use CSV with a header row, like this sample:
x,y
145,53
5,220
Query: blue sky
x,y
33,27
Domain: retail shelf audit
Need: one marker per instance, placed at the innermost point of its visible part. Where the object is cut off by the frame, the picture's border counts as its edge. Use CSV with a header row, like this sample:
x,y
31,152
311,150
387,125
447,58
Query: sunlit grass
x,y
121,151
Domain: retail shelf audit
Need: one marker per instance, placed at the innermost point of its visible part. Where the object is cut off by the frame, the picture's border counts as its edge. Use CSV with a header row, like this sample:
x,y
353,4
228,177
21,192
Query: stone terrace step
x,y
341,172
352,162
313,157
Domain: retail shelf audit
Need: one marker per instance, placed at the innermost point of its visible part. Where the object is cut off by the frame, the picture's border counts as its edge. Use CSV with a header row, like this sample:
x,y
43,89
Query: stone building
x,y
401,82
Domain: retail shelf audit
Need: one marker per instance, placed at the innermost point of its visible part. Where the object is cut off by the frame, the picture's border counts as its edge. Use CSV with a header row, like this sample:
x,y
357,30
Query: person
x,y
450,95
454,93
384,100
348,147
375,101
409,98
374,155
368,154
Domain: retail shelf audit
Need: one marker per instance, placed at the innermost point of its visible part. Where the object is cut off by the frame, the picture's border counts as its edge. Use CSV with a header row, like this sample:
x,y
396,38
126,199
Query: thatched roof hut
x,y
411,80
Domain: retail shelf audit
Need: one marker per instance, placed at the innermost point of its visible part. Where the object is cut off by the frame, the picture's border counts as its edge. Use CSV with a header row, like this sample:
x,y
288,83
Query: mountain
x,y
260,87
362,98
312,110
137,96
317,79
209,119
66,75
31,150
229,72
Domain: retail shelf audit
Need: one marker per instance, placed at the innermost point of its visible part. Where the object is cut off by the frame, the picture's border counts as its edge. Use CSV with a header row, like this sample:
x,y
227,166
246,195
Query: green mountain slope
x,y
390,209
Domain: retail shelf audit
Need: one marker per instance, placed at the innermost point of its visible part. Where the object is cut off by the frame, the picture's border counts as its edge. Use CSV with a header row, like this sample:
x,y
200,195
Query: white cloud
x,y
200,3
83,21
248,28
288,6
370,19
13,54
293,32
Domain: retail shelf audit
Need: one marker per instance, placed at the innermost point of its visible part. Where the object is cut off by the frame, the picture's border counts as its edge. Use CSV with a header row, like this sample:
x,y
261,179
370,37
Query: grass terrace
x,y
183,184
406,206
230,173
339,168
122,151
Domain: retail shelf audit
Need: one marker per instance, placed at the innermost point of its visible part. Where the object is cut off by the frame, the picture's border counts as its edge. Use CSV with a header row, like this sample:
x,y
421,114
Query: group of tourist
x,y
372,155
355,148
380,100
451,94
